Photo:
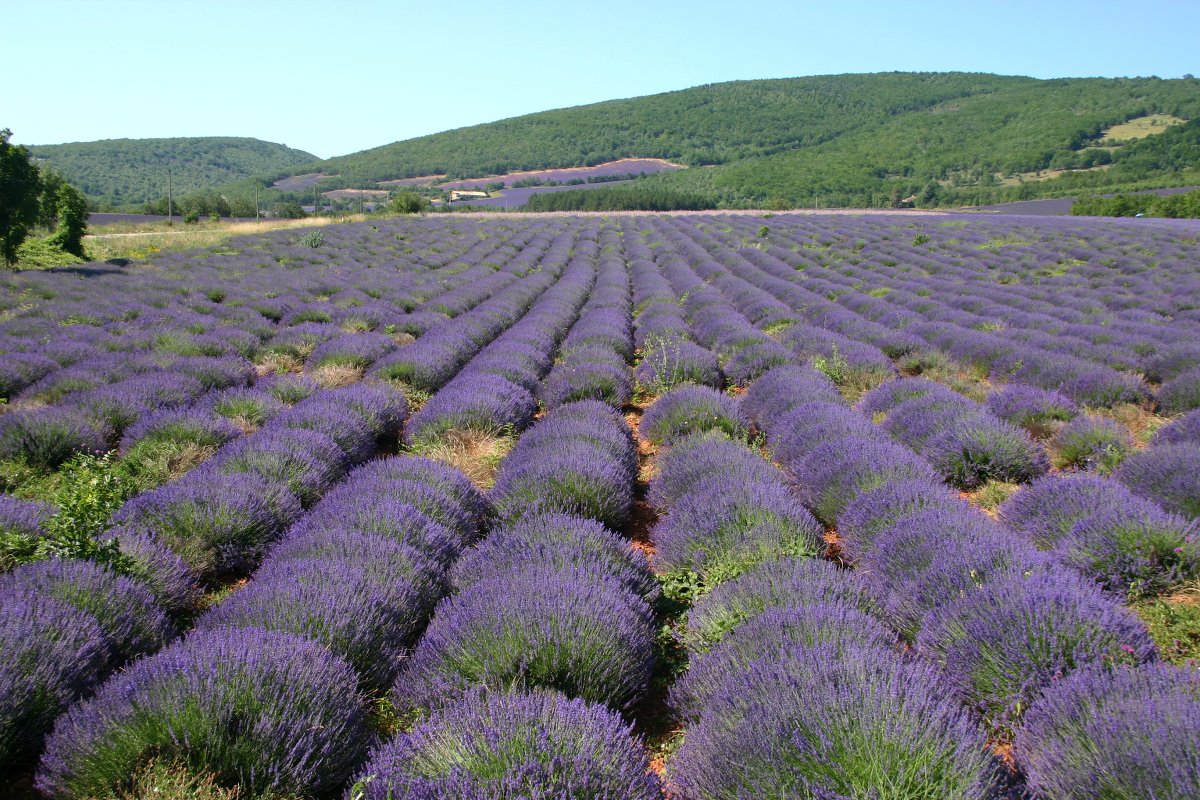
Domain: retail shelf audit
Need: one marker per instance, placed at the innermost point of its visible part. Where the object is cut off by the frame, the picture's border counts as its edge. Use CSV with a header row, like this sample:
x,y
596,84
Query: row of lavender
x,y
102,356
547,636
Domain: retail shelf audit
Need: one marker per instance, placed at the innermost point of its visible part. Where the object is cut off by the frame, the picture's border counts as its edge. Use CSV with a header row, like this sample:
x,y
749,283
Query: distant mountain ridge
x,y
934,138
124,172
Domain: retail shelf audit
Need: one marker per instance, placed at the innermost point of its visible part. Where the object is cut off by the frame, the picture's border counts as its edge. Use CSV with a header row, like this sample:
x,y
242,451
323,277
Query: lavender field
x,y
698,506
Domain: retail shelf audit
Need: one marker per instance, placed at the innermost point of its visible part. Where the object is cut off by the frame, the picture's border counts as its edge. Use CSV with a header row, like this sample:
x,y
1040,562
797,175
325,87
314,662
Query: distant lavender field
x,y
515,198
625,166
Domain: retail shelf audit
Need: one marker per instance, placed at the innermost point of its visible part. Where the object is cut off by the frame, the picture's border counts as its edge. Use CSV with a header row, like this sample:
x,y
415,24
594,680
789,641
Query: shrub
x,y
559,541
50,653
813,722
304,463
798,431
984,449
356,612
1092,444
702,455
126,612
538,745
574,478
268,712
885,397
723,527
1029,407
776,630
667,364
1136,549
159,568
218,524
581,632
837,472
1181,393
22,525
579,379
1167,474
46,437
1001,647
486,403
376,514
1184,430
933,557
464,507
691,409
1121,733
783,388
1047,509
873,512
348,431
380,406
785,583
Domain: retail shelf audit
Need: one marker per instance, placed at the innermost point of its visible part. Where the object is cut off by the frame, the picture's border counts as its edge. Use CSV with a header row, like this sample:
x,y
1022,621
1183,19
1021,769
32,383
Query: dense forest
x,y
120,173
1179,206
834,140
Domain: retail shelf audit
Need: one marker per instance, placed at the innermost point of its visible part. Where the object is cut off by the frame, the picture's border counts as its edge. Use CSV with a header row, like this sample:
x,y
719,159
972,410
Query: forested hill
x,y
845,139
123,172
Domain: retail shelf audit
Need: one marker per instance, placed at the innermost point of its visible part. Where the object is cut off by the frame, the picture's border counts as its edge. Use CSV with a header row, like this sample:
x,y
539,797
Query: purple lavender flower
x,y
1001,647
51,653
329,417
691,409
1185,429
886,396
576,477
723,527
1133,549
801,429
217,373
696,457
159,568
784,583
784,388
481,402
581,632
837,472
556,540
359,614
874,511
933,557
834,722
264,711
467,510
775,630
975,451
218,524
126,611
302,462
1167,474
1119,733
359,350
538,745
666,364
18,370
1029,407
46,437
1092,444
380,406
582,376
180,426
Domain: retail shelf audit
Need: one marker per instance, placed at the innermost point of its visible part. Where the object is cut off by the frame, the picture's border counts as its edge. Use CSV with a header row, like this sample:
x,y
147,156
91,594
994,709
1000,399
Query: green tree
x,y
72,209
407,203
20,191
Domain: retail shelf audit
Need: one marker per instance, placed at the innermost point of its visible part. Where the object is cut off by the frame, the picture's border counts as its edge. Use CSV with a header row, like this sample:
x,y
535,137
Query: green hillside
x,y
841,139
128,172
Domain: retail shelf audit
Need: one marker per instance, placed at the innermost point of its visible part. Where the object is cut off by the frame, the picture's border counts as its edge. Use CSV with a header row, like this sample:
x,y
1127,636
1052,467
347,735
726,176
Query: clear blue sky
x,y
337,77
